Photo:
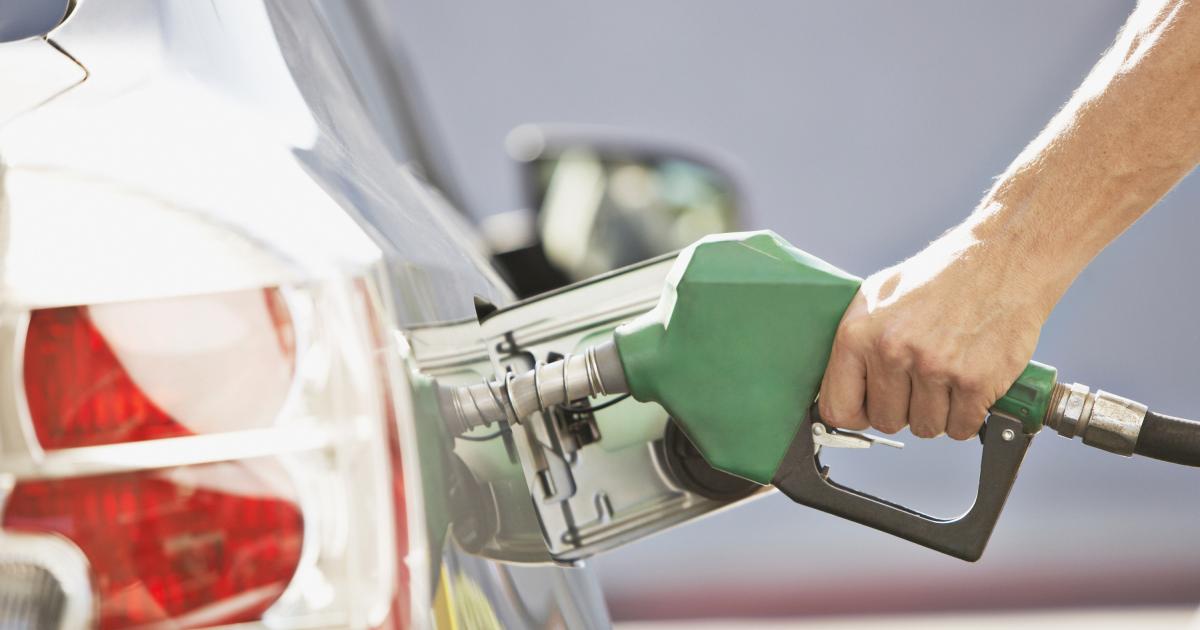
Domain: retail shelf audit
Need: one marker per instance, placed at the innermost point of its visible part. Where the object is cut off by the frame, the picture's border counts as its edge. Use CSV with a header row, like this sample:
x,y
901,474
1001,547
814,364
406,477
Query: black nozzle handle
x,y
804,480
1175,440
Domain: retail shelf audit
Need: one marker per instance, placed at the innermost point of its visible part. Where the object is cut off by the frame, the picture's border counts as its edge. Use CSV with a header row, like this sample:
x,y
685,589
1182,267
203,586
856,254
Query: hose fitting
x,y
1103,420
596,372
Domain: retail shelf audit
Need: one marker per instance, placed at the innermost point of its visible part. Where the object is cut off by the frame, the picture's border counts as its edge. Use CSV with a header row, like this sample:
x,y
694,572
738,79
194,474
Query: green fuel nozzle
x,y
735,351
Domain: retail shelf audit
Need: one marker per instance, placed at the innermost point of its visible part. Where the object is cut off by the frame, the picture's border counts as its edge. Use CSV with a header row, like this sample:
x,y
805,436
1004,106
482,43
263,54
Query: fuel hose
x,y
1175,440
1119,425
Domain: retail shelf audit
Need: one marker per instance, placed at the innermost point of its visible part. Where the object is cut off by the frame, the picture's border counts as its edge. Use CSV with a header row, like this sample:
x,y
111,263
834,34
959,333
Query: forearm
x,y
937,339
1127,135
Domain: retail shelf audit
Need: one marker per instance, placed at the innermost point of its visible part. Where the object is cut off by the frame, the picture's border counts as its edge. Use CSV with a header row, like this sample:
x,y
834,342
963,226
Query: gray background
x,y
860,131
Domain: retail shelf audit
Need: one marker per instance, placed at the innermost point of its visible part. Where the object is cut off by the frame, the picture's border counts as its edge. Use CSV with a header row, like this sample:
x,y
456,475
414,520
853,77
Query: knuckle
x,y
893,349
843,349
969,381
931,365
852,332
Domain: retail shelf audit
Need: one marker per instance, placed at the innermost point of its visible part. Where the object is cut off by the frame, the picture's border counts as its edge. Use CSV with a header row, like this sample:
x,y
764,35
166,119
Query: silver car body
x,y
179,149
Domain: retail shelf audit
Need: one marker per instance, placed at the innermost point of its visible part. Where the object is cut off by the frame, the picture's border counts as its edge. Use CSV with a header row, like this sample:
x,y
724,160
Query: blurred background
x,y
858,131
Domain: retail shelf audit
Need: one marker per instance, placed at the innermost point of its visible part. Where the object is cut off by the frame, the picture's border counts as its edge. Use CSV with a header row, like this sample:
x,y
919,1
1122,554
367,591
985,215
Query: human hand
x,y
935,340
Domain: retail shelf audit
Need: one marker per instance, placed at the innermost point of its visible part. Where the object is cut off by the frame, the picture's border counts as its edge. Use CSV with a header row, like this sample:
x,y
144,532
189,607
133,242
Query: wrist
x,y
1016,244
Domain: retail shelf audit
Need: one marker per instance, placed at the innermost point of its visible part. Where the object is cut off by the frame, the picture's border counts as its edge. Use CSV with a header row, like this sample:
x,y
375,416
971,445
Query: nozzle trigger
x,y
841,438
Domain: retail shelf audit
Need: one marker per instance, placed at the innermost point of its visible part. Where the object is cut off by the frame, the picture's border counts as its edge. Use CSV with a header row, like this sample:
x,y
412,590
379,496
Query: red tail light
x,y
183,519
164,546
79,395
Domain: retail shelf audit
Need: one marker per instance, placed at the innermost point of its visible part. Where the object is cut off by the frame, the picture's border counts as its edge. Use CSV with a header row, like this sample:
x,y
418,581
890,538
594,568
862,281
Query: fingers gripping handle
x,y
802,478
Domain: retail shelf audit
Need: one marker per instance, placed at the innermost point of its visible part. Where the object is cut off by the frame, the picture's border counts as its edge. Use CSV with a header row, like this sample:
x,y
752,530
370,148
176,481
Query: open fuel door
x,y
600,473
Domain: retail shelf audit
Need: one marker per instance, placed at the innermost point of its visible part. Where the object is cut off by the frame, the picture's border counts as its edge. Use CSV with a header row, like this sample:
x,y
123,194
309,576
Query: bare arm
x,y
933,341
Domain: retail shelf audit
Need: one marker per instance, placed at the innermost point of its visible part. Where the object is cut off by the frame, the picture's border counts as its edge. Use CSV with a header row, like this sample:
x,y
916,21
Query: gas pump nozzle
x,y
735,351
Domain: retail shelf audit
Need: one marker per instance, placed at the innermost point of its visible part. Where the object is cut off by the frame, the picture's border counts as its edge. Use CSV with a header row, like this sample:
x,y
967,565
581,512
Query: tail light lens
x,y
212,363
217,459
172,545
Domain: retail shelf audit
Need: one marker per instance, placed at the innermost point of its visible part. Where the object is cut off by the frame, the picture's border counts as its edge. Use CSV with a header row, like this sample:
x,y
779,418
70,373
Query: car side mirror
x,y
597,200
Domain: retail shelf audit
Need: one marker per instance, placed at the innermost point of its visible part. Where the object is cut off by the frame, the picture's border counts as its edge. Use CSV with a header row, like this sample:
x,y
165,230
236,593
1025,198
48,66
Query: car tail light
x,y
214,459
80,394
166,544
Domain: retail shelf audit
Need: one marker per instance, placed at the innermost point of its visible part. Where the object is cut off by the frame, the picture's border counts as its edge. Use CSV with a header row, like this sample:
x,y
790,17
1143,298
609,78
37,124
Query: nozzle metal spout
x,y
595,372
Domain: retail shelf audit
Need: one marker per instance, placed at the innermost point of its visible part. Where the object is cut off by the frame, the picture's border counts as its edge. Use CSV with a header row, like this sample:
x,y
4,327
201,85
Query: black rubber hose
x,y
1175,440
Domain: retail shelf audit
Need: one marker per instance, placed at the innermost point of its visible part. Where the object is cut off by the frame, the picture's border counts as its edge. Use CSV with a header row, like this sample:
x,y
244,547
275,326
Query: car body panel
x,y
221,146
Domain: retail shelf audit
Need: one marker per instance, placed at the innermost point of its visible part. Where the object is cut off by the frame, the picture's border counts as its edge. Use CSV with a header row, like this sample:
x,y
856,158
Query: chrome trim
x,y
17,438
72,5
172,452
307,497
7,483
33,446
1102,419
304,334
62,559
1115,424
